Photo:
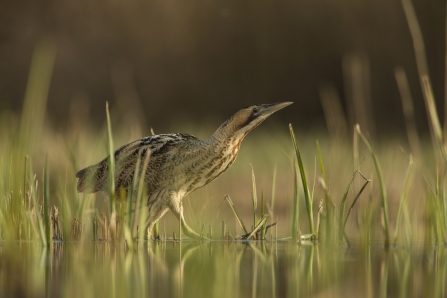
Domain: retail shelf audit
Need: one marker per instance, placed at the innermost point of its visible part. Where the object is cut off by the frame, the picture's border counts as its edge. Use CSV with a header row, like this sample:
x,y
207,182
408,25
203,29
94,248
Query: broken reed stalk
x,y
258,226
383,194
307,197
342,209
230,202
355,200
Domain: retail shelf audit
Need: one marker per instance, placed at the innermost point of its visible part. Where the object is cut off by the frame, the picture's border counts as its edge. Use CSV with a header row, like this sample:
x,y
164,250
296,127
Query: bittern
x,y
178,163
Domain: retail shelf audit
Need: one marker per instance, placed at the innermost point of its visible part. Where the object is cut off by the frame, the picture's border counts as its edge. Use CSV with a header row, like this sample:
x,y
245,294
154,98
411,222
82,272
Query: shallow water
x,y
219,269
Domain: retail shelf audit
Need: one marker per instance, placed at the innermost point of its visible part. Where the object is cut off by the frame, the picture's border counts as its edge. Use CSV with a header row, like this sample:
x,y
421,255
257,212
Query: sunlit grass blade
x,y
383,193
307,197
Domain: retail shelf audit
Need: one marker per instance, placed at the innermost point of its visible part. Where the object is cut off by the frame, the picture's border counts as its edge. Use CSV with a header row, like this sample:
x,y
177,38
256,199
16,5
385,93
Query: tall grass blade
x,y
383,193
46,203
296,204
111,162
262,215
40,224
403,204
330,206
272,204
422,65
307,197
254,196
408,110
433,115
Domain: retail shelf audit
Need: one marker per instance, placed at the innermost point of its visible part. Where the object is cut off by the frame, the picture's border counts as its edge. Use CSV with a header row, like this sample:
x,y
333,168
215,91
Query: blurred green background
x,y
171,62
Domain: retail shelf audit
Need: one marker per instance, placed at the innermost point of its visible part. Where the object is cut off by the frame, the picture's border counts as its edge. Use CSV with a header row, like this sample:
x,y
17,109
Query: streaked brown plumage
x,y
178,163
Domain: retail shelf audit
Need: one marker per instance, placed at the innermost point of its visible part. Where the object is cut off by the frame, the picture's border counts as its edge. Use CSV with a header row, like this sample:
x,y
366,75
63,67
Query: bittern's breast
x,y
210,164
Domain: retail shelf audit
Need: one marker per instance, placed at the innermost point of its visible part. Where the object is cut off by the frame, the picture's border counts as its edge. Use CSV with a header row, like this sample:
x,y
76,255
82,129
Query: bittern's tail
x,y
91,179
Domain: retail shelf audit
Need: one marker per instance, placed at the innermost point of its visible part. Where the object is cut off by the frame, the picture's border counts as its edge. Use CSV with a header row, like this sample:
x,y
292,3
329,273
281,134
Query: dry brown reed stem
x,y
445,80
358,91
333,112
416,34
433,116
408,110
422,65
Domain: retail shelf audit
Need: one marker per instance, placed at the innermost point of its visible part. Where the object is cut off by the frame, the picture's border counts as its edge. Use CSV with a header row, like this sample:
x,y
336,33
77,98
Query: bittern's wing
x,y
160,147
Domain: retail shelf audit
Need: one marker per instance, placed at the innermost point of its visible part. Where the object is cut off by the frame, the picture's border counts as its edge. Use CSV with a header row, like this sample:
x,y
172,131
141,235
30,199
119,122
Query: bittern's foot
x,y
190,232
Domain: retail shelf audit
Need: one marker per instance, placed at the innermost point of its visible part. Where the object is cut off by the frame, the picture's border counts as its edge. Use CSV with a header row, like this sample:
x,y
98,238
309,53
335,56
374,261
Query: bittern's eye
x,y
255,110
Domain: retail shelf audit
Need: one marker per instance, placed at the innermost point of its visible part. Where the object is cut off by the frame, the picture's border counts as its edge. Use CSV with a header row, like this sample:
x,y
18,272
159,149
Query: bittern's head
x,y
249,118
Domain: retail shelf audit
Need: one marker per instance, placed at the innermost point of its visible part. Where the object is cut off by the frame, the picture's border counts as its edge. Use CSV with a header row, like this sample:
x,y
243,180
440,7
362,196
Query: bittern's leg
x,y
177,208
154,215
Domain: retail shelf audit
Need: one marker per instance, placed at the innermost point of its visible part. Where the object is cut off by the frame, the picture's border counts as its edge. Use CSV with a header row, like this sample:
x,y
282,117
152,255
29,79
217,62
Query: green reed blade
x,y
403,204
46,203
111,161
296,204
254,196
330,206
272,204
262,215
307,197
381,184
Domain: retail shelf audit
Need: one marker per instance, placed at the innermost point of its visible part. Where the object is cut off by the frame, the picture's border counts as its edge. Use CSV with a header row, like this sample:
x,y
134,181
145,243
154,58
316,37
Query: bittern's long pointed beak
x,y
268,109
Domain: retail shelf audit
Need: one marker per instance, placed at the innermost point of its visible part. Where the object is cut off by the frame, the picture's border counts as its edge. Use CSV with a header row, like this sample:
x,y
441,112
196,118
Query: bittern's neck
x,y
227,130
